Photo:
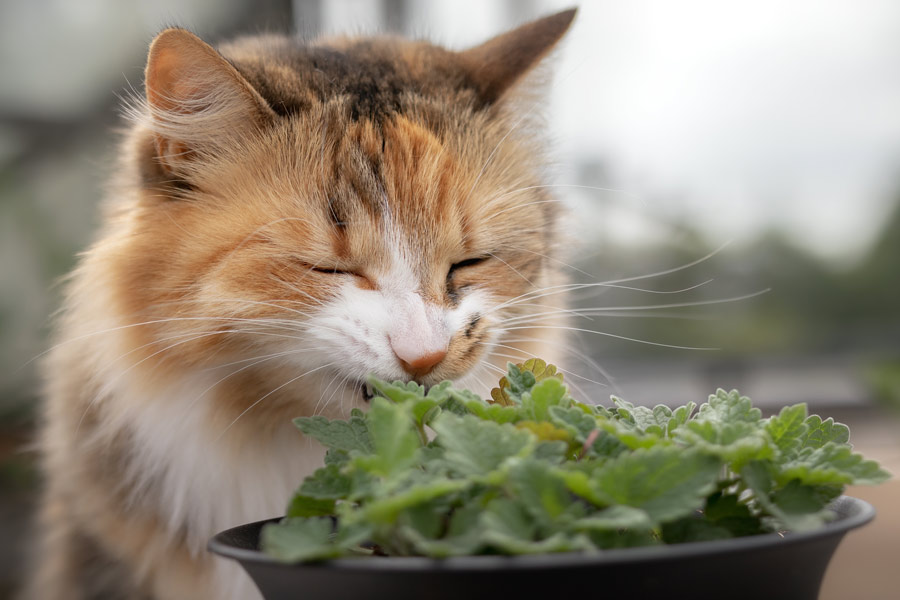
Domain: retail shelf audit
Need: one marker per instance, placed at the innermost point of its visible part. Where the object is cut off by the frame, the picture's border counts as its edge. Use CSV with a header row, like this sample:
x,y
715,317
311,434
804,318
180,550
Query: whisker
x,y
288,382
612,335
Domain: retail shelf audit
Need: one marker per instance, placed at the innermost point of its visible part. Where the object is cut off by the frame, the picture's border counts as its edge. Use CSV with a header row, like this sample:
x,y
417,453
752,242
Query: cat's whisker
x,y
523,205
612,335
322,401
550,258
562,185
591,314
691,304
283,385
274,354
571,287
294,288
256,361
121,374
566,287
514,270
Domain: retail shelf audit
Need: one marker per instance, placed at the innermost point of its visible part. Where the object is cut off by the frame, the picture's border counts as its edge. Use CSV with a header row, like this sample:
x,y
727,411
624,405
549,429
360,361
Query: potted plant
x,y
440,494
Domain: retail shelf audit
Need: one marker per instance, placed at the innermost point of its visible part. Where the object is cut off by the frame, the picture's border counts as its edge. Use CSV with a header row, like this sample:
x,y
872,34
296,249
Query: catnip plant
x,y
445,473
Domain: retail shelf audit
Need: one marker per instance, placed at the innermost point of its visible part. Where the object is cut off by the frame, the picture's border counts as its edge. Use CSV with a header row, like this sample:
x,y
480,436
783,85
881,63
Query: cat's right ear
x,y
197,100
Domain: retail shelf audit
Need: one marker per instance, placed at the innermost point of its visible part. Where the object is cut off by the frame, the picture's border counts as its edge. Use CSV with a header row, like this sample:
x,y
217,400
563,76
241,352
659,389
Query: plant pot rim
x,y
852,513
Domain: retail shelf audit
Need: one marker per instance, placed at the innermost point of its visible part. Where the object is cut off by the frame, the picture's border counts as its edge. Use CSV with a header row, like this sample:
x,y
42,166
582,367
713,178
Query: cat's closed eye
x,y
469,262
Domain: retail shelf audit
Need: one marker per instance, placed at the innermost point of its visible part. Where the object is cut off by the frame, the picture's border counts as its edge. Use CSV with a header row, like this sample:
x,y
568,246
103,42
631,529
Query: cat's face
x,y
328,243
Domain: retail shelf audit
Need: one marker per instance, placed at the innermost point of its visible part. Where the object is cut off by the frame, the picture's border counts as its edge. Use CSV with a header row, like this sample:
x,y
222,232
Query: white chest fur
x,y
202,481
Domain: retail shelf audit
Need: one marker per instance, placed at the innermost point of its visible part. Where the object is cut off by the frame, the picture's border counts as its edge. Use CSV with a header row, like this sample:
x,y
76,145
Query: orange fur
x,y
268,196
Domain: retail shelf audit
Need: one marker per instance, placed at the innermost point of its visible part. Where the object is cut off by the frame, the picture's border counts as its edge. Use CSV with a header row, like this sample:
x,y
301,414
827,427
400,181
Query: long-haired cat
x,y
286,218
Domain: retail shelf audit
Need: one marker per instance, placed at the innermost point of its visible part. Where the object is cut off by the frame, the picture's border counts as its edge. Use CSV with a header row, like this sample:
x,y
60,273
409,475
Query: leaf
x,y
328,482
795,507
614,518
541,489
728,512
307,506
386,510
627,433
821,432
493,412
574,420
653,421
738,442
545,431
544,395
349,436
475,447
509,518
692,529
397,391
520,379
665,482
728,407
394,438
832,464
788,429
294,540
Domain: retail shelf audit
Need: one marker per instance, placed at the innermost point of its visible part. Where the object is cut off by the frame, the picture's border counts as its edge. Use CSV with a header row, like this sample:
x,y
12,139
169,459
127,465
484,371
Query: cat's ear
x,y
497,64
197,100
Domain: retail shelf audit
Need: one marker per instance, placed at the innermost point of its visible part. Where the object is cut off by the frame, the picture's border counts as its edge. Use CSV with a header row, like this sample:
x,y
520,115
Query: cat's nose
x,y
422,364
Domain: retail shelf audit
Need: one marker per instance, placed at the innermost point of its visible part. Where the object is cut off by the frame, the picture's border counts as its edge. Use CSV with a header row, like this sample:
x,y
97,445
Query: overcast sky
x,y
740,115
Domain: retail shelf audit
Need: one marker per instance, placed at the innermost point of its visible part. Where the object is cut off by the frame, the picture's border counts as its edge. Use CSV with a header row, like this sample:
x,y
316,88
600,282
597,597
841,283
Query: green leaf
x,y
795,507
738,442
630,436
327,482
653,421
545,394
397,391
493,412
510,519
788,429
821,432
577,422
665,482
295,540
475,447
730,513
386,510
832,464
615,518
307,506
692,529
349,436
728,407
394,438
541,489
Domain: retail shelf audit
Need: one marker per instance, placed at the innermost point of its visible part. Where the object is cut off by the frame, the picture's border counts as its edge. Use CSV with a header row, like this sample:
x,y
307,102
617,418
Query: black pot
x,y
757,567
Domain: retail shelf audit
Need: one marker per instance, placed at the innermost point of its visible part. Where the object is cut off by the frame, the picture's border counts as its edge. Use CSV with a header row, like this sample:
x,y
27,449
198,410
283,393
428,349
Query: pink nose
x,y
423,365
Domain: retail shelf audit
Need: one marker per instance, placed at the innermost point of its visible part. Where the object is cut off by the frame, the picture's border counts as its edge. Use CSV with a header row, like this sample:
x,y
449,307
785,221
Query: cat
x,y
286,217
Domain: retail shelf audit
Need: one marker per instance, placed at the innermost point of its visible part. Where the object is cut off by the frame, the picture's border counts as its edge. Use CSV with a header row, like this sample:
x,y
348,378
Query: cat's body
x,y
283,223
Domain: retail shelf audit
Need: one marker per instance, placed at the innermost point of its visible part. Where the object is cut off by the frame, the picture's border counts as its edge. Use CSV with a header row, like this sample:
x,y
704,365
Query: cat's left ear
x,y
496,65
198,101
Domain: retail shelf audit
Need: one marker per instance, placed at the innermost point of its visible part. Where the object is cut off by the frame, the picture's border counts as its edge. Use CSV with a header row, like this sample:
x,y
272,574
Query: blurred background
x,y
738,164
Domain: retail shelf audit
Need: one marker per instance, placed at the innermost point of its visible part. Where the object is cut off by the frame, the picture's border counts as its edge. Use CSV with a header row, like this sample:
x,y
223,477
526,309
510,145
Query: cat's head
x,y
347,207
